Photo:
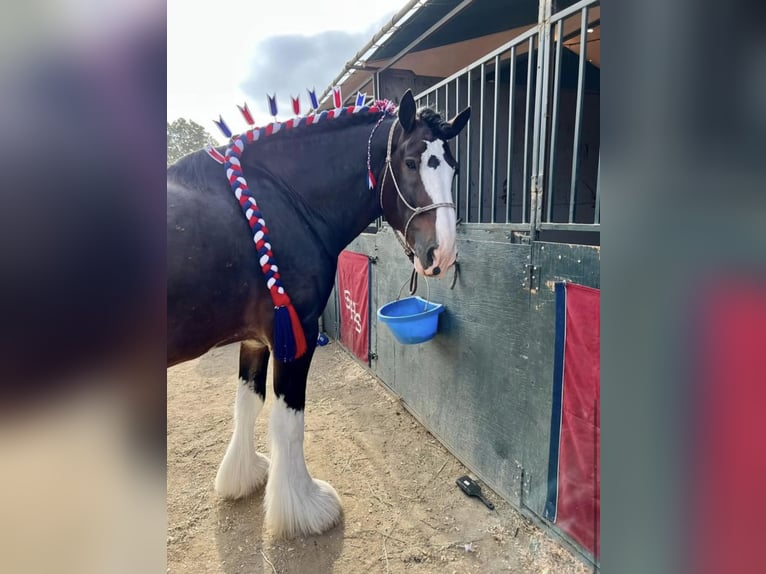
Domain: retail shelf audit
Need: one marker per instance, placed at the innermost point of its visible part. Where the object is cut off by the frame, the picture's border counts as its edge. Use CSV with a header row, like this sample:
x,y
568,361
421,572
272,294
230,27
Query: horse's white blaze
x,y
438,184
296,504
242,469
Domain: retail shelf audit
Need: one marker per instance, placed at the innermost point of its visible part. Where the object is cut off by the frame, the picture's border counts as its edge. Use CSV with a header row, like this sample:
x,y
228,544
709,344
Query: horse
x,y
309,183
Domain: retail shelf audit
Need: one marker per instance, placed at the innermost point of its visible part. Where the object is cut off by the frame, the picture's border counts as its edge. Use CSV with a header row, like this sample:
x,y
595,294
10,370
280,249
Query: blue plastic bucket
x,y
412,320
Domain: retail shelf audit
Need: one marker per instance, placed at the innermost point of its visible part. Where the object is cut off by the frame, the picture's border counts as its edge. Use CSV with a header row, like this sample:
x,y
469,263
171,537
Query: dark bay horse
x,y
310,183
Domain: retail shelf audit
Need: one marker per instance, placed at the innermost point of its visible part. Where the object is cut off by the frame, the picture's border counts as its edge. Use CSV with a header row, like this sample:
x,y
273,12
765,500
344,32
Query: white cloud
x,y
223,54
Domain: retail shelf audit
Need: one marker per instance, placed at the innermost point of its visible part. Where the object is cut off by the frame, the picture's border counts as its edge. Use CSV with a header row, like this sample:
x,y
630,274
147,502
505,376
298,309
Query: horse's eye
x,y
411,163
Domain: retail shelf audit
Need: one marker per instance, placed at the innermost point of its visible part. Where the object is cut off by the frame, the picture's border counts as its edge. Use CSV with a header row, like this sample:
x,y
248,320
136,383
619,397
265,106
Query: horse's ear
x,y
407,111
457,123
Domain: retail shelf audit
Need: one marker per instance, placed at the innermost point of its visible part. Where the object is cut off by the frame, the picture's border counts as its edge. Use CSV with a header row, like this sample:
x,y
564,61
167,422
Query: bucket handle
x,y
413,280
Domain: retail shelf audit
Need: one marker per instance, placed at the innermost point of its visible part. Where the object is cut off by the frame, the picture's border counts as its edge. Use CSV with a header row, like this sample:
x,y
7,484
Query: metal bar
x,y
457,147
597,212
495,106
578,113
496,226
509,174
554,121
570,226
441,22
468,158
544,71
520,39
525,183
480,203
412,4
573,9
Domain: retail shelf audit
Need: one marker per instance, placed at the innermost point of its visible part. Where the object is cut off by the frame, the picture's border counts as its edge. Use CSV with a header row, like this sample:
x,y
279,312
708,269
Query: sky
x,y
221,55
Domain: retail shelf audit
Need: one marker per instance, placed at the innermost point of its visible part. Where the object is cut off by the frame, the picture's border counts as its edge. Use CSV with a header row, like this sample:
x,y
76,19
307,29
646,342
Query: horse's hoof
x,y
239,476
297,511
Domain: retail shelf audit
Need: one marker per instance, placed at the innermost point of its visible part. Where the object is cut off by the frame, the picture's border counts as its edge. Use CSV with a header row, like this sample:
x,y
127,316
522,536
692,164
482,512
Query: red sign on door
x,y
354,302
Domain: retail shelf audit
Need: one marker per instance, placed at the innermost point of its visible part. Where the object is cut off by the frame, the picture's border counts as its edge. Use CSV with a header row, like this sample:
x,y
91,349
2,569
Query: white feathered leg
x,y
296,504
242,469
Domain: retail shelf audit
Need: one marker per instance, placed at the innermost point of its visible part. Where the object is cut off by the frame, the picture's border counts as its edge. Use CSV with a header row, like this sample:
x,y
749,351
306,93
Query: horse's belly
x,y
212,292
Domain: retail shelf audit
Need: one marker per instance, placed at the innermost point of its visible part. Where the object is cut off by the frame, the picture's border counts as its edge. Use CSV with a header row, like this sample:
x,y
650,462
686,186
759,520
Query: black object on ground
x,y
471,488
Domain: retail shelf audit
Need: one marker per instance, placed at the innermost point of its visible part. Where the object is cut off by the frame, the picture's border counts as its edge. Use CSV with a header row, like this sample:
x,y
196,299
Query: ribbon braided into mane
x,y
289,338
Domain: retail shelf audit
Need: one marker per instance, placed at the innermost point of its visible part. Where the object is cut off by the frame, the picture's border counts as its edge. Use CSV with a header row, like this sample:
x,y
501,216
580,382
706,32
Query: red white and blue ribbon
x,y
273,105
289,338
223,127
247,115
313,98
337,97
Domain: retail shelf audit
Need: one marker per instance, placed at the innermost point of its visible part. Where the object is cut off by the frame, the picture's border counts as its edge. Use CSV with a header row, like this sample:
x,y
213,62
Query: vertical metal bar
x,y
554,121
509,174
544,71
480,206
457,147
468,158
525,183
578,113
495,107
597,212
534,183
436,99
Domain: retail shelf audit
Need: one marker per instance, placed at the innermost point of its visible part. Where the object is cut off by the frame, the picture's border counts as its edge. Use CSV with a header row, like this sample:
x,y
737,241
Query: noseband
x,y
415,210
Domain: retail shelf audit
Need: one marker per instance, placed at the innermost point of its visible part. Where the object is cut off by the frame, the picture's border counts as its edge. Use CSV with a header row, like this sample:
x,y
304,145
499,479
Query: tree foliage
x,y
184,137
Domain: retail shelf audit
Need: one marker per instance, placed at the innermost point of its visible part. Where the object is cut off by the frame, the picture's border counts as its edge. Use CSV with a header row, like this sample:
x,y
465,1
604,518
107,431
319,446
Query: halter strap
x,y
415,210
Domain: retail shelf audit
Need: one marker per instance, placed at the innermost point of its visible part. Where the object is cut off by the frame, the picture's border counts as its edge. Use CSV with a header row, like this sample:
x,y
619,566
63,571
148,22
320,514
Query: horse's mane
x,y
434,121
191,168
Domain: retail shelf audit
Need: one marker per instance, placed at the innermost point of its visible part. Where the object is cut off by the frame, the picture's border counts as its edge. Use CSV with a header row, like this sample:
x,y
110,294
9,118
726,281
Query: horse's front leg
x,y
243,470
296,504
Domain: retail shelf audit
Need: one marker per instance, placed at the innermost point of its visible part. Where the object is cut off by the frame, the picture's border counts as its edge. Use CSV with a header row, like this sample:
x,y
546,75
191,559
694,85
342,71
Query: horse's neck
x,y
328,170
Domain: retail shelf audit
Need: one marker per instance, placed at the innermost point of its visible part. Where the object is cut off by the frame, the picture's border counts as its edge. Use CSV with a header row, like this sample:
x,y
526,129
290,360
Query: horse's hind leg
x,y
243,470
296,504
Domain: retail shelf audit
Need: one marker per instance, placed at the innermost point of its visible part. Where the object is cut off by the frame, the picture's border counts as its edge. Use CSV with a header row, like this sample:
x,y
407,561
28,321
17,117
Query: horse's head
x,y
417,194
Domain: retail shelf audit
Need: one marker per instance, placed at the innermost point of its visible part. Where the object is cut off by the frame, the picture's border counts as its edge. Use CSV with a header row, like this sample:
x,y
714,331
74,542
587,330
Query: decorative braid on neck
x,y
289,338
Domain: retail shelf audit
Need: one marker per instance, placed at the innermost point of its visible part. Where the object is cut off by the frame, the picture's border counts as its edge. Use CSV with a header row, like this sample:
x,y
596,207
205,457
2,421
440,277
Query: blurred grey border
x,y
82,286
683,173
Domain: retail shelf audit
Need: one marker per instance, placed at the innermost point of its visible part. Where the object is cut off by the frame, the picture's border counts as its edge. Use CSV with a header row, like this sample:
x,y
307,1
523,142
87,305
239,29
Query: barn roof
x,y
436,38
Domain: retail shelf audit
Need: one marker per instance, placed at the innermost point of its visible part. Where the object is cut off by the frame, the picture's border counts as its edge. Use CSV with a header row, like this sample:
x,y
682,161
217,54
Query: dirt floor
x,y
402,509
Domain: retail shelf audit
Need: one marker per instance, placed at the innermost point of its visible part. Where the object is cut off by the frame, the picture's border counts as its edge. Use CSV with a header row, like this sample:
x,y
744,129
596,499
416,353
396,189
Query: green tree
x,y
184,137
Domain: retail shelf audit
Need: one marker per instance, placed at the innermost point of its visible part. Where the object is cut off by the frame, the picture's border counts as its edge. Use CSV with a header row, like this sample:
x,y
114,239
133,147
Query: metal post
x,y
468,159
509,173
495,108
482,81
525,186
555,120
457,147
543,73
578,113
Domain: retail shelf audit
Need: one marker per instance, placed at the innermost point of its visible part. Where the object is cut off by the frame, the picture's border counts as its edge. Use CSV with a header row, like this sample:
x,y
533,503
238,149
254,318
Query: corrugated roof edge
x,y
409,10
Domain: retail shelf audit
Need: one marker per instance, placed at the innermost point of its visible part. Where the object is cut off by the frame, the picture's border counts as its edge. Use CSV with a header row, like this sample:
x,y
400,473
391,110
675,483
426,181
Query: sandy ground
x,y
402,509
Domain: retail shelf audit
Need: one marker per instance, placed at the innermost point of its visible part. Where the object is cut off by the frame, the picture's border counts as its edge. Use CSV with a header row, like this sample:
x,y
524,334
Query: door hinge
x,y
373,356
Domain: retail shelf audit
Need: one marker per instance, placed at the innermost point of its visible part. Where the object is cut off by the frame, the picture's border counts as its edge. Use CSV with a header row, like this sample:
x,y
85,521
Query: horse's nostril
x,y
430,256
437,270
